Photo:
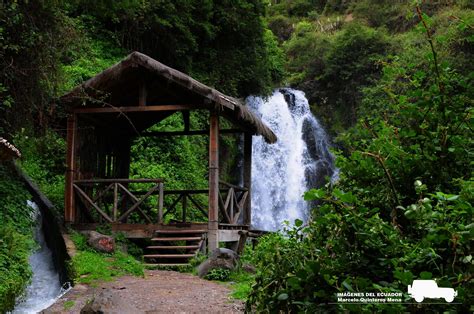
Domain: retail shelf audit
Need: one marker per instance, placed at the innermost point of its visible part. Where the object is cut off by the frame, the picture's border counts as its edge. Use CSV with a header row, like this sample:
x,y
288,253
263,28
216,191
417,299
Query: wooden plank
x,y
173,247
248,178
168,255
115,201
185,133
173,205
235,187
160,203
92,181
184,206
198,206
178,231
213,214
134,206
69,206
84,195
136,200
223,211
118,109
99,195
242,241
176,239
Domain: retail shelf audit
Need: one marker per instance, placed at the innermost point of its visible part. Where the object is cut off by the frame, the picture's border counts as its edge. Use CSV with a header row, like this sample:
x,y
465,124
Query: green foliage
x,y
43,159
206,39
92,267
69,304
333,69
16,239
374,231
34,37
220,274
242,282
15,272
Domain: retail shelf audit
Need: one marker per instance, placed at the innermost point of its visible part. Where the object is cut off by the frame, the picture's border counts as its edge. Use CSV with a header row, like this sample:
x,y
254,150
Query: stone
x,y
100,242
108,302
249,268
219,258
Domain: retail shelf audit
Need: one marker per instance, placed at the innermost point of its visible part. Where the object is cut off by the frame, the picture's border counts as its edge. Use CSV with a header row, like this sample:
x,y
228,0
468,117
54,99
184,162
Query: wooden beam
x,y
69,206
248,177
118,109
196,132
213,214
93,181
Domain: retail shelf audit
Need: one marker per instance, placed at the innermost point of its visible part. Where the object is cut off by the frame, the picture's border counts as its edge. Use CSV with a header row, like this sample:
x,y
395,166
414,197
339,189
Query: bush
x,y
16,238
403,207
220,274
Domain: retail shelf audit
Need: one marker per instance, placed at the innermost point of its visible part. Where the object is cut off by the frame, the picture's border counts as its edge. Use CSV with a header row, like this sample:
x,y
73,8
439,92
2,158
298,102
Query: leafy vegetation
x,y
394,83
15,238
91,267
402,209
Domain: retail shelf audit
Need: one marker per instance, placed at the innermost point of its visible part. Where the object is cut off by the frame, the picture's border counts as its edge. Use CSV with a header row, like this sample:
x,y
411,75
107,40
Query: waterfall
x,y
298,161
45,287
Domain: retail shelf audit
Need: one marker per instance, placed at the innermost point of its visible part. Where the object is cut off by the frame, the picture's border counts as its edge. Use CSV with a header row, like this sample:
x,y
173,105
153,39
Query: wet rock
x,y
220,258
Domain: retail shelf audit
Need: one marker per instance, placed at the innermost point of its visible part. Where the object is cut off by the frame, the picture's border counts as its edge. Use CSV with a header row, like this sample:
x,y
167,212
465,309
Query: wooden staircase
x,y
174,247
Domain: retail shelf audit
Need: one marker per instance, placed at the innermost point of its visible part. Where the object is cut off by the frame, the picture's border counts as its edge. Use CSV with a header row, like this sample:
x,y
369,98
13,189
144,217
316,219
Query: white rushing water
x,y
283,171
45,287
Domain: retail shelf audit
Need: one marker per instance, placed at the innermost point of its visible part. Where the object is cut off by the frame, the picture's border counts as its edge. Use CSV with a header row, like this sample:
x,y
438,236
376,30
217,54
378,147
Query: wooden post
x,y
160,203
69,206
248,177
213,240
115,202
184,205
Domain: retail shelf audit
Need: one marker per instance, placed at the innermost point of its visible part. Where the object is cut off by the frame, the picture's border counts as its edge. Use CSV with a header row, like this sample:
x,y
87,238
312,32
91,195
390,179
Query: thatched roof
x,y
119,85
7,150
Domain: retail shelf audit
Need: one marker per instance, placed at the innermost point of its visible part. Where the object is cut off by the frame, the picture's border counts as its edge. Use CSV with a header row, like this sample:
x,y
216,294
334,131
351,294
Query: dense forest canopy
x,y
392,81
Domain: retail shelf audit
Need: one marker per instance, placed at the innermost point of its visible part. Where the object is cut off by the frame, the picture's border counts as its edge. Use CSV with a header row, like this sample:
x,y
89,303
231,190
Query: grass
x,y
92,267
242,286
68,304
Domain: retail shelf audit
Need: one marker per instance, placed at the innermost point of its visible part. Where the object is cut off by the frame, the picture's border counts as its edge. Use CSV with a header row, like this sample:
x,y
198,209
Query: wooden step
x,y
177,239
168,255
184,231
169,247
166,264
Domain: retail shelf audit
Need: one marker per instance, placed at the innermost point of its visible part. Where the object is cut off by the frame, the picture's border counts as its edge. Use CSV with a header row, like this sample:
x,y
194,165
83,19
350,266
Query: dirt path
x,y
158,292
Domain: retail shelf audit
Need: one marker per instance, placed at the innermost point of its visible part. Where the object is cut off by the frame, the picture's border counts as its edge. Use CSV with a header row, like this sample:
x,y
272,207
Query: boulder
x,y
100,242
108,302
219,258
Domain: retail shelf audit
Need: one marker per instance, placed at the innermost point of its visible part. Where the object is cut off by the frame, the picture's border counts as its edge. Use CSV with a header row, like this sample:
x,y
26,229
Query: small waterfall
x,y
283,171
45,287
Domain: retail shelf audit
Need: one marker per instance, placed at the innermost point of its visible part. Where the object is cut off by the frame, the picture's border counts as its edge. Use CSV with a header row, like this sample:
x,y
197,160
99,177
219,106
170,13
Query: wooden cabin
x,y
107,112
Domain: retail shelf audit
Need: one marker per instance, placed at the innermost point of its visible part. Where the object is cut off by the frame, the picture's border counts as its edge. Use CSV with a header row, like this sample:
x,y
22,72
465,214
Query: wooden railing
x,y
234,203
113,201
189,204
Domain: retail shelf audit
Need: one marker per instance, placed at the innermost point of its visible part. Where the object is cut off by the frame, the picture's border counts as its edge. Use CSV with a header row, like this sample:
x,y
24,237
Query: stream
x,y
45,287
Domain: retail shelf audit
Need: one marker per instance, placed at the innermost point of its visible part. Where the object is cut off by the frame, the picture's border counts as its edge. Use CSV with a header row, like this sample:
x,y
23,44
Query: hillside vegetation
x,y
392,81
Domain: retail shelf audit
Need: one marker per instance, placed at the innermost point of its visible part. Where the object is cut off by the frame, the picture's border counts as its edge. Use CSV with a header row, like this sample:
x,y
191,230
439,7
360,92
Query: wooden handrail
x,y
118,180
